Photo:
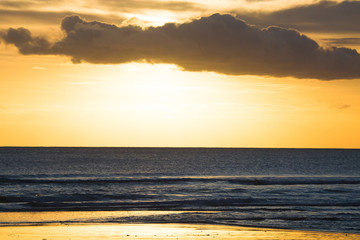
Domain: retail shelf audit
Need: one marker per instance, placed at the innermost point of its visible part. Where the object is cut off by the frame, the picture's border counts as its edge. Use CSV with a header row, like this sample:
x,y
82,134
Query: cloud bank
x,y
126,5
218,43
342,41
324,16
47,17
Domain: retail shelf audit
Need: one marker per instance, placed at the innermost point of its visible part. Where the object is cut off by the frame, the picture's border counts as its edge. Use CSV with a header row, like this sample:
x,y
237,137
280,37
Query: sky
x,y
162,73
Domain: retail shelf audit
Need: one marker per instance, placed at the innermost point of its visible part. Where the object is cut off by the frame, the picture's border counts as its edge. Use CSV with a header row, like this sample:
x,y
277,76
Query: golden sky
x,y
227,73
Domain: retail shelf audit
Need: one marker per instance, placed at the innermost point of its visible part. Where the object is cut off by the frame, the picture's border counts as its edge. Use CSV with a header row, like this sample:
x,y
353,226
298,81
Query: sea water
x,y
308,189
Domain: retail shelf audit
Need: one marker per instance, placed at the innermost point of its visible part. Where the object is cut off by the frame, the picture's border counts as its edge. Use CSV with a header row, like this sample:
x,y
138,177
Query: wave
x,y
180,180
138,202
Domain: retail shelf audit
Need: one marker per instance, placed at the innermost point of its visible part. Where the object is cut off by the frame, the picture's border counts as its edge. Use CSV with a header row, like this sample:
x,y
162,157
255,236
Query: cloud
x,y
342,41
48,17
342,106
123,5
218,43
258,0
324,16
146,4
15,4
29,3
26,44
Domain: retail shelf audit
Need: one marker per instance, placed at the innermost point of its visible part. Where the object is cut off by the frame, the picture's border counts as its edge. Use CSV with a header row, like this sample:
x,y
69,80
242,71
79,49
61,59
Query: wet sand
x,y
159,231
78,226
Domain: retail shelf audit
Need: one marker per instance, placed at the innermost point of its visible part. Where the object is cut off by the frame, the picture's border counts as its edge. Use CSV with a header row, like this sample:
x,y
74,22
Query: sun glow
x,y
140,104
145,88
150,19
141,101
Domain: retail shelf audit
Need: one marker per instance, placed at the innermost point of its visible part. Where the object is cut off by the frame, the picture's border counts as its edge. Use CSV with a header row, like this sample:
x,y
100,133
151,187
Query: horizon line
x,y
187,147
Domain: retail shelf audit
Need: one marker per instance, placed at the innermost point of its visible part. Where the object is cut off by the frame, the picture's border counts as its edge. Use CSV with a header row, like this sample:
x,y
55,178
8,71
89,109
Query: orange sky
x,y
202,89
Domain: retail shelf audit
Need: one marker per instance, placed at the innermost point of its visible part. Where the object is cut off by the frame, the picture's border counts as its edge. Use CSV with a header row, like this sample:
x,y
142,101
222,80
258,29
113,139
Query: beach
x,y
160,193
160,231
76,226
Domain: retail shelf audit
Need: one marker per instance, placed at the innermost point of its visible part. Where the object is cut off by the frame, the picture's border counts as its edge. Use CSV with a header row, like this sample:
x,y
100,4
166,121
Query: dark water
x,y
310,189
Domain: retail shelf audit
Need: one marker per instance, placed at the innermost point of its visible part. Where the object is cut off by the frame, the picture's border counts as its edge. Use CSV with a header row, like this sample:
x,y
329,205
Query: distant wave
x,y
256,180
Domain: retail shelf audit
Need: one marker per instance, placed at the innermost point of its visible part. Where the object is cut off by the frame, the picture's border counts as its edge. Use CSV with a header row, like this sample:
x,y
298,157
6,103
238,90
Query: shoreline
x,y
28,223
144,231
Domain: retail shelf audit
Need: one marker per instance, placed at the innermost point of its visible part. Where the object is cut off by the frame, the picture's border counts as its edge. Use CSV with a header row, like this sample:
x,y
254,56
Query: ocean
x,y
305,189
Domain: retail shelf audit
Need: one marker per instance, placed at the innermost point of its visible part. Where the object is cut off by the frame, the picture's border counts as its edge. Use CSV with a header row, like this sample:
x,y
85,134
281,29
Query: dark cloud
x,y
15,4
19,4
47,17
342,41
219,43
26,44
111,4
325,16
146,4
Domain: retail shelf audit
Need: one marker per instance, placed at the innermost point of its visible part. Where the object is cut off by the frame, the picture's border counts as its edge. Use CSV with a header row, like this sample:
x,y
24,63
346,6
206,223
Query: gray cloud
x,y
146,4
15,4
343,106
49,17
342,41
26,44
325,16
219,43
26,4
109,4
